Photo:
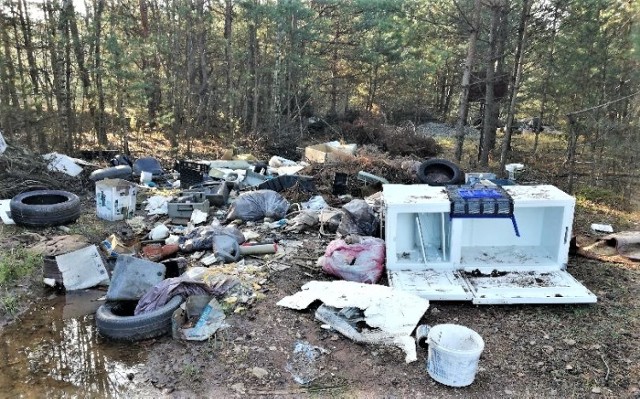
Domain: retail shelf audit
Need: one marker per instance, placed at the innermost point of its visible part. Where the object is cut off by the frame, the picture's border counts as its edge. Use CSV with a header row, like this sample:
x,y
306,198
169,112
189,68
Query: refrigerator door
x,y
435,285
506,288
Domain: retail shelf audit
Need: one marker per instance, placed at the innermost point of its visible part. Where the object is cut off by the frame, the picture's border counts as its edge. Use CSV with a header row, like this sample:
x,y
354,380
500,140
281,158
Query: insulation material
x,y
394,313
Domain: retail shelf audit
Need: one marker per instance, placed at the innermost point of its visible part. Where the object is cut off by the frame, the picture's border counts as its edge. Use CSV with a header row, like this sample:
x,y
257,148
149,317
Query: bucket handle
x,y
422,332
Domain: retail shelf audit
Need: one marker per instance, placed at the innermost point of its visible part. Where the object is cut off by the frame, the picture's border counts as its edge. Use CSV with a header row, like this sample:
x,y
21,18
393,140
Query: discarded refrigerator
x,y
442,246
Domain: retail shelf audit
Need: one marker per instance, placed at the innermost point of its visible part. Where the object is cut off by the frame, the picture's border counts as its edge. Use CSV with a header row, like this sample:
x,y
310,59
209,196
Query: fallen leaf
x,y
596,390
569,341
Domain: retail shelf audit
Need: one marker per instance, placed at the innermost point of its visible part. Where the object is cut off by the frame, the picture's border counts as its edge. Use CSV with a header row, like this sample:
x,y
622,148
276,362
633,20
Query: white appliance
x,y
481,259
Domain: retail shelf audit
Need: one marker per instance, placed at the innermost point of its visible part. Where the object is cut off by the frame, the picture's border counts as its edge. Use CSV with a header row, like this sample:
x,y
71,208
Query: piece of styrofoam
x,y
394,312
5,212
3,144
62,163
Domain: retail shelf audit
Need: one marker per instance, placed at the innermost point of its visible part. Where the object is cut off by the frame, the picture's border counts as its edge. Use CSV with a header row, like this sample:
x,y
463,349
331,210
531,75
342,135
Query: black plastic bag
x,y
257,205
358,218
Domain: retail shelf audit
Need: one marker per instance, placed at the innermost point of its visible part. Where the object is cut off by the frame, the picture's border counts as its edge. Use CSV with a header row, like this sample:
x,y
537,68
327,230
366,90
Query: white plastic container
x,y
454,353
146,177
115,199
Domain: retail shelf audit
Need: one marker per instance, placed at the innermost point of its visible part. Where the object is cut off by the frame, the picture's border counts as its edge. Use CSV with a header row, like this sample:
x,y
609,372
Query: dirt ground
x,y
530,351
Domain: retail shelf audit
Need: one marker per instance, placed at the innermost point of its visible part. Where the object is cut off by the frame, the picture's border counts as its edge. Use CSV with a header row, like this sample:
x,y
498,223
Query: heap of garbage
x,y
194,241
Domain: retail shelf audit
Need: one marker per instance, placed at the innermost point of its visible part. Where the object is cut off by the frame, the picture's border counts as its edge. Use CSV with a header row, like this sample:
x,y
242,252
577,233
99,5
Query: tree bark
x,y
333,109
489,101
276,105
514,84
503,27
69,106
228,55
150,67
10,101
57,54
25,25
25,95
548,72
84,73
101,129
463,108
253,65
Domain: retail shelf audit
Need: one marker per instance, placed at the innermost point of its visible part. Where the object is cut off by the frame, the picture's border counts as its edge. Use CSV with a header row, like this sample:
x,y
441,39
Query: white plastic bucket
x,y
145,177
454,352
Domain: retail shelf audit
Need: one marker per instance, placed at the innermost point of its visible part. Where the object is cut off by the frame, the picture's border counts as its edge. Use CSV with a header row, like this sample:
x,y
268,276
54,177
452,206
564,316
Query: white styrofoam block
x,y
5,212
601,228
62,163
3,144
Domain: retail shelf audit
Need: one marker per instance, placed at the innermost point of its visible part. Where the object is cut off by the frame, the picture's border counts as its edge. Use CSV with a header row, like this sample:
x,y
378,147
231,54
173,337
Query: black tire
x,y
135,328
114,172
440,172
42,208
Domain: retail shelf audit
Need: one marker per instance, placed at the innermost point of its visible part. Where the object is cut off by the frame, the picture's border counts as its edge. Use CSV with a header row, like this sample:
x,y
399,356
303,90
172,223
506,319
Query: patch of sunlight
x,y
604,209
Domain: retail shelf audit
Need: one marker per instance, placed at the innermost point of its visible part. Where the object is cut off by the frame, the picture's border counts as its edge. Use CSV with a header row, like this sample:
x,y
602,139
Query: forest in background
x,y
91,72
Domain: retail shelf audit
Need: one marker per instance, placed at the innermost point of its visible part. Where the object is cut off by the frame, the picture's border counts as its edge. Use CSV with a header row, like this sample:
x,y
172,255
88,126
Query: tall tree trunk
x,y
514,84
548,73
276,105
489,100
84,73
228,55
25,95
25,25
253,65
10,101
373,86
572,146
503,27
69,138
333,110
56,53
463,108
150,66
101,129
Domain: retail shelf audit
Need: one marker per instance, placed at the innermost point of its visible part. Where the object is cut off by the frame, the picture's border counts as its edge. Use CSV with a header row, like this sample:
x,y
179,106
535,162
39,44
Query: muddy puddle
x,y
53,351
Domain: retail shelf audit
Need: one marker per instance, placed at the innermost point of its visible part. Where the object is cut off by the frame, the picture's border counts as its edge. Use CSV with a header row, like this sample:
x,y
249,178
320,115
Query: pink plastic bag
x,y
362,262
